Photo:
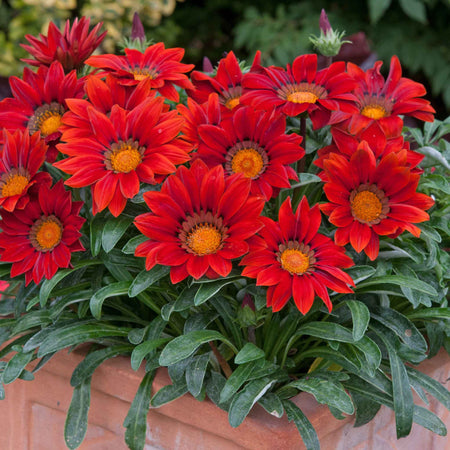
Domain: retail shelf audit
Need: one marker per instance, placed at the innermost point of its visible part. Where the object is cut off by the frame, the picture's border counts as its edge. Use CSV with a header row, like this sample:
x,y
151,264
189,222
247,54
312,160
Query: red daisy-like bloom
x,y
123,149
369,199
71,47
346,144
39,103
227,82
199,222
254,144
301,88
20,160
102,95
41,238
161,65
383,101
294,260
196,115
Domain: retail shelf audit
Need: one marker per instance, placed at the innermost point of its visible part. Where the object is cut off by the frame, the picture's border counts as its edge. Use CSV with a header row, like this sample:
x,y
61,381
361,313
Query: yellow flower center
x,y
232,103
46,119
204,239
374,112
14,185
366,206
141,73
294,261
302,97
50,123
46,233
247,161
123,156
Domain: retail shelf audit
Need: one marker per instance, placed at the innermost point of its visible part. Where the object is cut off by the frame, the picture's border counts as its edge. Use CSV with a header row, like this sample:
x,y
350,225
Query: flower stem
x,y
223,363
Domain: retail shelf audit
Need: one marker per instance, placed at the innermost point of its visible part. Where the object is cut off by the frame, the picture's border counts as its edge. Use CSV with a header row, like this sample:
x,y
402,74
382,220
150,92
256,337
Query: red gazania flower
x,y
383,101
39,103
369,199
41,238
162,66
119,151
227,82
294,260
196,115
71,47
199,222
301,88
254,144
346,144
20,160
102,95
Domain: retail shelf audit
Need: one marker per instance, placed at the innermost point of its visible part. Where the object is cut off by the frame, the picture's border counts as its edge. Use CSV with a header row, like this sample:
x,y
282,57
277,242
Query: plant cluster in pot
x,y
259,231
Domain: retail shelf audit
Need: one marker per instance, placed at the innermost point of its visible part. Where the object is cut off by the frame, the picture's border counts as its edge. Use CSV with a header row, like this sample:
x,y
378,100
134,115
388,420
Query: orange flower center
x,y
46,119
141,73
46,233
302,97
294,261
124,156
374,112
247,161
204,239
14,185
366,206
232,102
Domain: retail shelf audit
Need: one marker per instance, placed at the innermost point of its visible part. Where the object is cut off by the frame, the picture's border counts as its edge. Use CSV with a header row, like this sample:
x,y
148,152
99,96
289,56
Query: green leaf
x,y
325,391
168,394
377,8
365,409
114,289
402,327
360,273
306,178
307,431
214,386
360,317
136,420
415,9
86,368
429,313
75,333
130,247
236,380
39,318
195,373
430,232
183,346
136,335
77,416
208,290
142,350
430,421
113,230
272,404
243,401
145,279
15,366
399,280
249,352
95,235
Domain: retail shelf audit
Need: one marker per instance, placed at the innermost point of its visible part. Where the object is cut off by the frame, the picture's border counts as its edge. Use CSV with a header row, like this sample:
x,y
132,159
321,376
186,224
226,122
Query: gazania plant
x,y
259,231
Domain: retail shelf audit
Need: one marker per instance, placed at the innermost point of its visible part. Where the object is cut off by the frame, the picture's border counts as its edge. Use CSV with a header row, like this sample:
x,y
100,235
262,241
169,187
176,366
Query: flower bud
x,y
137,29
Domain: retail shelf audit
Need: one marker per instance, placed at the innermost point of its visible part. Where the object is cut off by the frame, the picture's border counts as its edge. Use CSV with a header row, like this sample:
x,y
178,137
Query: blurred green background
x,y
416,30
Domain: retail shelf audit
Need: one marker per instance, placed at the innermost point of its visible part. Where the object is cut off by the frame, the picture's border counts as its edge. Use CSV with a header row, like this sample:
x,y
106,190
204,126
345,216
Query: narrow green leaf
x,y
136,420
195,374
365,409
306,178
95,235
214,386
86,368
326,391
399,280
15,366
415,9
272,404
243,401
429,420
168,394
360,317
429,313
39,318
236,380
114,289
77,416
360,273
130,247
249,352
208,290
76,334
142,350
307,431
145,279
113,230
136,335
183,346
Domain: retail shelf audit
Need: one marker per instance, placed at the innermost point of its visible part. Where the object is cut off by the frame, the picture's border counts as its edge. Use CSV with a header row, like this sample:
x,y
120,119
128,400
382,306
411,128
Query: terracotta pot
x,y
32,416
